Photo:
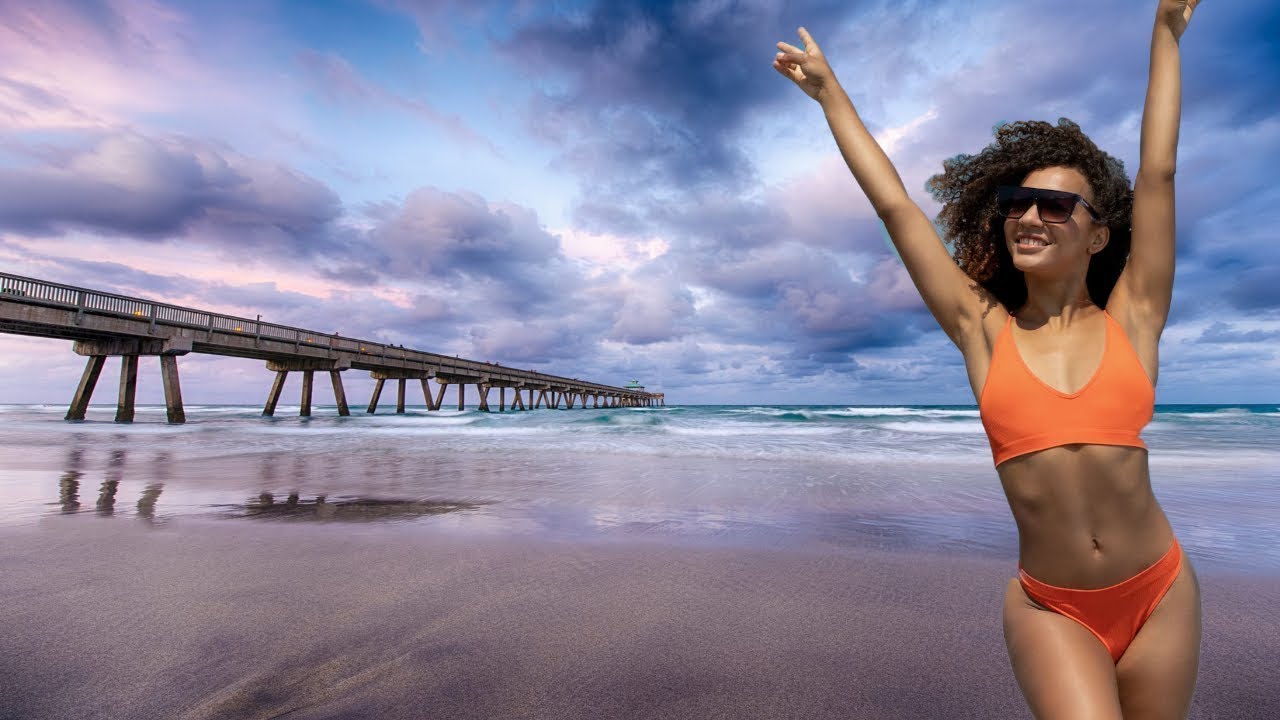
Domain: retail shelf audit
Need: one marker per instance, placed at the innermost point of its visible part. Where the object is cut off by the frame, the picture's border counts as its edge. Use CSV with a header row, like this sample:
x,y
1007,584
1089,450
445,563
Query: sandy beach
x,y
687,563
243,619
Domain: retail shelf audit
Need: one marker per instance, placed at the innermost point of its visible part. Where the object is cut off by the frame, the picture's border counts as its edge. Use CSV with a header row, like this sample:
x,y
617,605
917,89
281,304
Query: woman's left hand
x,y
1176,14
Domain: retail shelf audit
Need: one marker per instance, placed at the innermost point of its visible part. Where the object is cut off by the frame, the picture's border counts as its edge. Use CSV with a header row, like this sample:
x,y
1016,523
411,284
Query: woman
x,y
1058,307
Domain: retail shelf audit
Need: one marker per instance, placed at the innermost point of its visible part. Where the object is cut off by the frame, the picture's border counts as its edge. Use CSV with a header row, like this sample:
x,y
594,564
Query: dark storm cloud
x,y
131,185
654,92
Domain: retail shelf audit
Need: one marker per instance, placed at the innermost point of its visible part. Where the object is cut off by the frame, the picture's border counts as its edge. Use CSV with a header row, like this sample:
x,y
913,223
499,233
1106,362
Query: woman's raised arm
x,y
956,301
1145,288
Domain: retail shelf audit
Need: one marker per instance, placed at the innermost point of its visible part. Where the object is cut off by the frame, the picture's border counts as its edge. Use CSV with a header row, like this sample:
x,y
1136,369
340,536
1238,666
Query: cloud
x,y
656,107
1221,332
92,64
567,341
439,21
461,237
653,310
646,98
339,81
717,244
1255,288
27,105
119,277
160,187
1228,49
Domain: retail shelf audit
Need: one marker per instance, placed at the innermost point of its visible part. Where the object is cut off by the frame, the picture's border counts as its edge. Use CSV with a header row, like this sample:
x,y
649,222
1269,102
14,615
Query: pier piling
x,y
377,393
128,388
172,390
80,403
274,397
308,380
339,394
426,395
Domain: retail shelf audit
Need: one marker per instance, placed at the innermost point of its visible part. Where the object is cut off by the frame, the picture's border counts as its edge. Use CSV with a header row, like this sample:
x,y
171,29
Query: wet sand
x,y
250,619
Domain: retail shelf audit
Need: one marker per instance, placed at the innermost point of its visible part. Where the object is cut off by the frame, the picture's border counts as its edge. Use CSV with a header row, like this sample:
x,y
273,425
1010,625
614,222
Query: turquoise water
x,y
912,476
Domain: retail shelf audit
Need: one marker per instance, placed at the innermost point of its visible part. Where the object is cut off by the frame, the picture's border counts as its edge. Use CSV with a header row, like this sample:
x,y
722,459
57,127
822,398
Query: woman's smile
x,y
1029,242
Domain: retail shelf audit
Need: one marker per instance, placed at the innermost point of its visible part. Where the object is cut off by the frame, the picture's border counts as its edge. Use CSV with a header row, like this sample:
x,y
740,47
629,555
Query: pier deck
x,y
103,324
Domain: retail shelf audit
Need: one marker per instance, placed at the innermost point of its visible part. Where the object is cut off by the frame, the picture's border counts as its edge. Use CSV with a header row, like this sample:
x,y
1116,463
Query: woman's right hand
x,y
1176,14
807,68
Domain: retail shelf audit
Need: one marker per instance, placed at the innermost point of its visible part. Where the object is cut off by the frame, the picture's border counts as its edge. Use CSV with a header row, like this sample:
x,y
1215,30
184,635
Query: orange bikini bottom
x,y
1114,614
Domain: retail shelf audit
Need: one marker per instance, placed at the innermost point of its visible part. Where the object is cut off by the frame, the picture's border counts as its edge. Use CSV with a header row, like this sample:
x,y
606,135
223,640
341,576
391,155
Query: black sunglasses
x,y
1055,206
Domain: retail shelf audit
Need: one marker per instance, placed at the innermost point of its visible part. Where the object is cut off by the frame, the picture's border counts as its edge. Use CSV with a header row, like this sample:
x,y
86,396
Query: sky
x,y
602,189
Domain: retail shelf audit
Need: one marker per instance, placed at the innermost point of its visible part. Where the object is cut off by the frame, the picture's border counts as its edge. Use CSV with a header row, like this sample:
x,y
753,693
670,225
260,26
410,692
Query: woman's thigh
x,y
1157,673
1063,669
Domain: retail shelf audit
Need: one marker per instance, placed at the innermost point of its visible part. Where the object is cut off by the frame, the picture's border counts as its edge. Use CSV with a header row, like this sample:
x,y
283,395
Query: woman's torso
x,y
1086,514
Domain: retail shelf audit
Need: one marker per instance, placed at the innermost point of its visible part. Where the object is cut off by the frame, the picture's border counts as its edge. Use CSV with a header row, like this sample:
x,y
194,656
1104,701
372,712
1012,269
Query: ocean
x,y
916,477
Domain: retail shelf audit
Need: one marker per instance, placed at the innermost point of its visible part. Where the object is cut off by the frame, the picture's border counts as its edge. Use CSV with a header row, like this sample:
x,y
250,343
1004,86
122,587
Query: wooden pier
x,y
104,324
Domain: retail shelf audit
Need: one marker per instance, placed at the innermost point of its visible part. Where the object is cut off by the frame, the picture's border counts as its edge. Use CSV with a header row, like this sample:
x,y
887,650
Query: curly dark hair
x,y
970,221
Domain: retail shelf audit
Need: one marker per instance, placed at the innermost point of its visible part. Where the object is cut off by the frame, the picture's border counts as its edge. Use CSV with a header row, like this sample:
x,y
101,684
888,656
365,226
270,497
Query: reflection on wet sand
x,y
69,483
160,471
69,491
294,507
147,503
106,504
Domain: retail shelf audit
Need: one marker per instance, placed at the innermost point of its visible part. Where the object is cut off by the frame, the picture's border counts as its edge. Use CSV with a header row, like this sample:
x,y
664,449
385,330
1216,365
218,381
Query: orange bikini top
x,y
1022,414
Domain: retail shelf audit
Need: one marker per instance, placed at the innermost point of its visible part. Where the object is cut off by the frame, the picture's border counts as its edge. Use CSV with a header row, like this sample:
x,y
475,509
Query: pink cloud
x,y
70,65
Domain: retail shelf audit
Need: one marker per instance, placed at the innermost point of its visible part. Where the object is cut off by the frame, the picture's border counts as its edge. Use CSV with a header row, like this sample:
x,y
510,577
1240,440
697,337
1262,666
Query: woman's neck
x,y
1057,303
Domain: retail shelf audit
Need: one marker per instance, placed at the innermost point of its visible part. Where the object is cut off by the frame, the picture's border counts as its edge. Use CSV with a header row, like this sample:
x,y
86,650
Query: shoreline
x,y
248,619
